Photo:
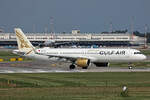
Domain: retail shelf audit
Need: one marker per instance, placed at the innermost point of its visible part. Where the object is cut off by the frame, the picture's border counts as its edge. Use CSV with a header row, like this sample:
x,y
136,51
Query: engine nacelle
x,y
103,64
82,62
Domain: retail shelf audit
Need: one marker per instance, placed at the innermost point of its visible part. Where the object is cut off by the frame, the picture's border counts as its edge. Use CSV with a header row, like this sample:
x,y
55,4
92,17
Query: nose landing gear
x,y
130,65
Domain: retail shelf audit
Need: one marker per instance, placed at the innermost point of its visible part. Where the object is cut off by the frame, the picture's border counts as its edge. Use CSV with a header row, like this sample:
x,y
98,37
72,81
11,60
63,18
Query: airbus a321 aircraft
x,y
81,57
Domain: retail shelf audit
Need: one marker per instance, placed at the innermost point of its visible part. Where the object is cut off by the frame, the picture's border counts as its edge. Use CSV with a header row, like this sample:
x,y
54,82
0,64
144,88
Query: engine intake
x,y
82,62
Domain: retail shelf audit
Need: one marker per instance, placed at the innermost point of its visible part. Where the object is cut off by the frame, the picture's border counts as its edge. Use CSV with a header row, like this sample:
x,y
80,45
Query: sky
x,y
85,15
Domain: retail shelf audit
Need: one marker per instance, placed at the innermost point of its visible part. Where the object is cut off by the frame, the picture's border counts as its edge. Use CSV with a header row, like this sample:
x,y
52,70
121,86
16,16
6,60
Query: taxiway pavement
x,y
47,67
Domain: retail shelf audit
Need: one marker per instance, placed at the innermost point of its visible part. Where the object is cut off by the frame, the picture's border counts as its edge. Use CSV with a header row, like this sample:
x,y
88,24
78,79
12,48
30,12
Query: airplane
x,y
78,57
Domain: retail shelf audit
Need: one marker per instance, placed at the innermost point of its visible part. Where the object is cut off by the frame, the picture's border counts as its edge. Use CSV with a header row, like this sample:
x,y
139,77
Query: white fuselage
x,y
94,55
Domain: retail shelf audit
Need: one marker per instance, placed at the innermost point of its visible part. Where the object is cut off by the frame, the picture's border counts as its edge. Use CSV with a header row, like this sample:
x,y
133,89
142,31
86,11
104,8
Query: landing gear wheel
x,y
72,66
130,65
84,67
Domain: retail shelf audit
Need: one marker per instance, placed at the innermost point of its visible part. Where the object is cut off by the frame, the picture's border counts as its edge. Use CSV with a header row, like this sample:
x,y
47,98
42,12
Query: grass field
x,y
6,55
74,86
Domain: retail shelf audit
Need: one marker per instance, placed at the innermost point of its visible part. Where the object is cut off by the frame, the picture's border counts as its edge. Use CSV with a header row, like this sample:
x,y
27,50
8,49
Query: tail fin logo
x,y
23,43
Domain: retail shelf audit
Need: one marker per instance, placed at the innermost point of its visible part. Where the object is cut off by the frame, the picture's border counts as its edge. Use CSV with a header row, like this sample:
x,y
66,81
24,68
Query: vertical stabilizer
x,y
24,44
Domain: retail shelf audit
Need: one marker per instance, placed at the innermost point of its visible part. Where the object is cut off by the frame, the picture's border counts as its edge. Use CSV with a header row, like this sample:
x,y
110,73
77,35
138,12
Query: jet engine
x,y
103,64
82,62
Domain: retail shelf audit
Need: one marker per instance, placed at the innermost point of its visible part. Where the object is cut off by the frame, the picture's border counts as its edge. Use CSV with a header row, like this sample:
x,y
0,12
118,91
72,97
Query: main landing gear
x,y
84,67
72,66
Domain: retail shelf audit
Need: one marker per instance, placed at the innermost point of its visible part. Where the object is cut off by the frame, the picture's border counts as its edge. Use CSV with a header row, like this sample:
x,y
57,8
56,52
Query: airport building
x,y
100,39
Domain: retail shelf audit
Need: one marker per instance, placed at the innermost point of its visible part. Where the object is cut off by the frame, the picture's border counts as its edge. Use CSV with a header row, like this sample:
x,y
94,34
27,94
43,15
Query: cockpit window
x,y
137,53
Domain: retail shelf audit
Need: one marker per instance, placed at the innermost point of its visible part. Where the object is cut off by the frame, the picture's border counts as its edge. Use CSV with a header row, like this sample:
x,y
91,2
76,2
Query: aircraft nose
x,y
143,57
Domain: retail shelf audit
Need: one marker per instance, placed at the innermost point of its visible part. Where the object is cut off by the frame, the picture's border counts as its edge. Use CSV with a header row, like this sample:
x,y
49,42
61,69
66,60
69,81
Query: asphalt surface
x,y
47,67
